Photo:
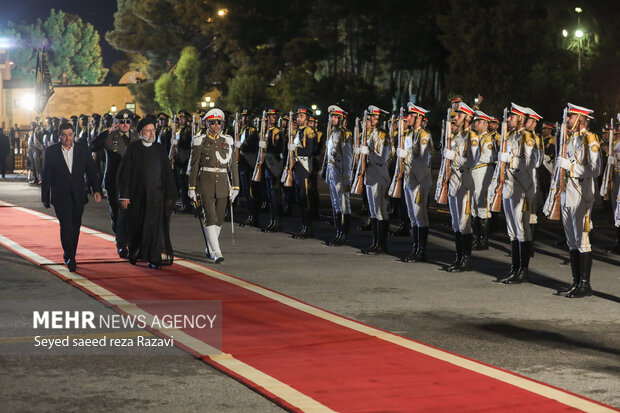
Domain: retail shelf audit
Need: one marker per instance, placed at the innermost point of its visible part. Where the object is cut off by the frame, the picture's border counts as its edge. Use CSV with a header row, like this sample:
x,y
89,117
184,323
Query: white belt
x,y
208,169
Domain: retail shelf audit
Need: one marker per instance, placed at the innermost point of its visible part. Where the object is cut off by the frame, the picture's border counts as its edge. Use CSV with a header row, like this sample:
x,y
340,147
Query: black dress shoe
x,y
154,266
71,264
123,252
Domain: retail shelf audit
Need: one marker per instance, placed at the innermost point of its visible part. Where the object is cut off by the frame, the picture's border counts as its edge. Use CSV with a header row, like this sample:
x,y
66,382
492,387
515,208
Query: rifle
x,y
287,177
260,159
499,175
358,182
608,176
200,214
356,145
237,137
193,125
326,155
441,190
396,188
553,204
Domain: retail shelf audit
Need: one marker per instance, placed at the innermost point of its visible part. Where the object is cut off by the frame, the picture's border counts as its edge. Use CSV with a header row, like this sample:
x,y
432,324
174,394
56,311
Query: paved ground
x,y
572,344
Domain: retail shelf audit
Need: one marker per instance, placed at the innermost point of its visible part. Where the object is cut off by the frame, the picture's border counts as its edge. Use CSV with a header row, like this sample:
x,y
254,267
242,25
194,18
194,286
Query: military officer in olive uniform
x,y
518,192
114,142
339,159
464,154
272,168
212,160
377,179
303,148
179,154
416,155
583,166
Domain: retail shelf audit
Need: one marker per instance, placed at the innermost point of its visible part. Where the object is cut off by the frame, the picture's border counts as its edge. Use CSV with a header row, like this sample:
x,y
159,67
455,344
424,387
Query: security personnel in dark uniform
x,y
303,146
272,168
179,154
114,142
82,131
248,151
163,131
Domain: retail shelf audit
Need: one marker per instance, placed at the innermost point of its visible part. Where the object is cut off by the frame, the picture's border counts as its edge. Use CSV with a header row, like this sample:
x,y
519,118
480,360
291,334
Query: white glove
x,y
262,144
612,160
564,163
505,157
233,194
356,150
364,150
449,154
197,140
191,194
237,144
401,153
291,147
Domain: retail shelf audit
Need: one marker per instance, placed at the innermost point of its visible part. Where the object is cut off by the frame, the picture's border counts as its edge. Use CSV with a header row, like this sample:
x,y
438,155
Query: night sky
x,y
99,13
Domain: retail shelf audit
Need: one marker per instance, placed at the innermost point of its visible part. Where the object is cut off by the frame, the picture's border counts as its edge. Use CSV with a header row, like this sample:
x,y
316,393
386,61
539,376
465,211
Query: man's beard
x,y
147,139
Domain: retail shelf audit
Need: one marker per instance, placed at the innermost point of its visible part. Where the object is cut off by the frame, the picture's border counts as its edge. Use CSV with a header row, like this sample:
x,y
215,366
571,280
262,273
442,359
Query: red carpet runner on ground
x,y
299,356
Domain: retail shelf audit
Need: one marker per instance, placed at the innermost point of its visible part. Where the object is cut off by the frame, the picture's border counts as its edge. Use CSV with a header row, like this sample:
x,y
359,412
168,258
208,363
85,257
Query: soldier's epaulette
x,y
486,138
309,133
529,138
347,134
276,130
591,138
229,139
381,134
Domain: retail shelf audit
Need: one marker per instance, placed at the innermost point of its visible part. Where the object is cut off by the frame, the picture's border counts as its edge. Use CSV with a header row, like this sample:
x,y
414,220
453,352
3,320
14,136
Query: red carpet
x,y
301,357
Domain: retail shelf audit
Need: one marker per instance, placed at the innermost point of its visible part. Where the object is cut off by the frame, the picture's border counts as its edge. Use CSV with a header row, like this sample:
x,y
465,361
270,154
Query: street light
x,y
579,33
208,99
211,104
203,104
565,33
318,112
113,108
578,9
222,12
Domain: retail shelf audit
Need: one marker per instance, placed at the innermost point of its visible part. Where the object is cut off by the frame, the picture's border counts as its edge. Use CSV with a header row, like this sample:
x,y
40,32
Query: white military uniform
x,y
417,179
615,189
583,152
377,178
519,189
338,174
461,185
482,174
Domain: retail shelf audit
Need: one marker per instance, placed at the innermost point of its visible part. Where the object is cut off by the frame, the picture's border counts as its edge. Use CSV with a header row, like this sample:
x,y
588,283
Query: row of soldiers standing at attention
x,y
486,168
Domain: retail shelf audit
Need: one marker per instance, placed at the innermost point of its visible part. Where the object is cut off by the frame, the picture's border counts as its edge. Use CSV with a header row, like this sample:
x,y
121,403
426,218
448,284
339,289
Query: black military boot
x,y
382,234
402,230
346,223
533,228
420,255
366,227
415,244
576,272
338,225
484,235
275,226
468,240
524,262
616,250
476,233
266,229
458,242
583,288
375,237
514,267
251,220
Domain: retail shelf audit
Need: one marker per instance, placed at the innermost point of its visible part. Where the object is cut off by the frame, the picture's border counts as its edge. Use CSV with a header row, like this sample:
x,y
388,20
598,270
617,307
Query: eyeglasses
x,y
124,122
215,122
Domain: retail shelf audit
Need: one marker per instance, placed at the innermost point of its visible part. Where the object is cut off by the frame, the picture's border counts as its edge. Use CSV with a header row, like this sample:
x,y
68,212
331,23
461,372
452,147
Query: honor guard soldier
x,y
493,131
272,168
164,131
288,193
613,163
316,166
582,165
179,154
302,147
114,142
464,154
211,162
248,152
482,174
518,192
530,126
377,179
545,172
338,165
95,127
417,181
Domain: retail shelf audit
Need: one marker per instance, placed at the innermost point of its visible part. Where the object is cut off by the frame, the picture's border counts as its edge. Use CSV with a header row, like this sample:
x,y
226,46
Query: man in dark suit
x,y
63,186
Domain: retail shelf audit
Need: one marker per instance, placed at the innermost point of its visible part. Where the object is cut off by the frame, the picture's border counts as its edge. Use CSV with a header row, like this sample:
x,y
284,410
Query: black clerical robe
x,y
146,180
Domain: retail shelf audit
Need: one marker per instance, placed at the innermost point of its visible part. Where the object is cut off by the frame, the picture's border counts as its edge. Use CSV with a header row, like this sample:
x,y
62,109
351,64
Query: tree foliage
x,y
72,48
178,89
